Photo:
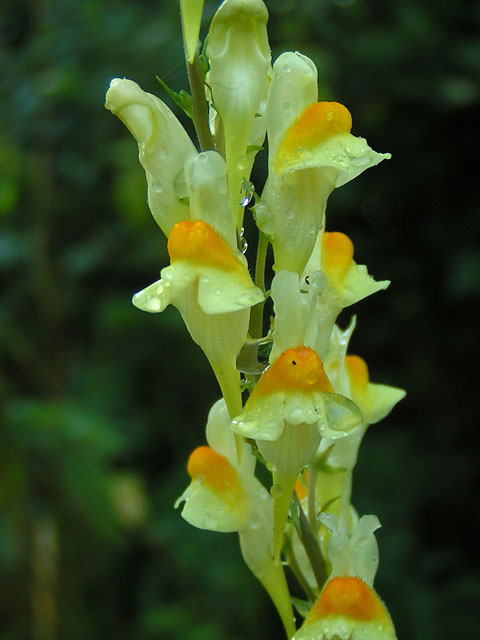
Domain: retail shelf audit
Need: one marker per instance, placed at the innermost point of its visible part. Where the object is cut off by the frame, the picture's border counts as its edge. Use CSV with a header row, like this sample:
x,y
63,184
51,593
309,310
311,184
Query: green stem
x,y
199,104
256,315
297,572
312,498
312,547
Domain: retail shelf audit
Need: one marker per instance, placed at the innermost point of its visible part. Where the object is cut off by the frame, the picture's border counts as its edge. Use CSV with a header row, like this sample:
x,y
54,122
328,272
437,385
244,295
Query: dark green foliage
x,y
101,404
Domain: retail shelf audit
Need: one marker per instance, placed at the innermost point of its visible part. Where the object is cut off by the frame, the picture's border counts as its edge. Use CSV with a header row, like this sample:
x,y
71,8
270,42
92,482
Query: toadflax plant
x,y
293,398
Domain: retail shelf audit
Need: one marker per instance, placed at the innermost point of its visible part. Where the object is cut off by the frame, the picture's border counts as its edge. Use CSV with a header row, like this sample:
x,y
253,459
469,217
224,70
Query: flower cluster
x,y
293,399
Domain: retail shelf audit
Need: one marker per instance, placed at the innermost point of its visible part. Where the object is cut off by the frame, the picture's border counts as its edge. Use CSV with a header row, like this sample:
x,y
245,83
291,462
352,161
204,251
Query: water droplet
x,y
218,292
290,215
340,157
312,229
153,304
270,466
276,490
287,68
311,377
210,523
296,415
246,300
305,154
243,245
330,115
255,525
205,279
246,193
243,163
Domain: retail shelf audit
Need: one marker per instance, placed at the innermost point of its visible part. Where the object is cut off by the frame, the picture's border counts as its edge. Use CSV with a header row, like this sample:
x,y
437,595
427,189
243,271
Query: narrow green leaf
x,y
182,99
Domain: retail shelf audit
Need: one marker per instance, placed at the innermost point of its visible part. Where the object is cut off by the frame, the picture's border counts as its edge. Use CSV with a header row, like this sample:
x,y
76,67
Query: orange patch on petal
x,y
337,255
216,471
352,598
297,369
318,122
195,241
301,486
358,373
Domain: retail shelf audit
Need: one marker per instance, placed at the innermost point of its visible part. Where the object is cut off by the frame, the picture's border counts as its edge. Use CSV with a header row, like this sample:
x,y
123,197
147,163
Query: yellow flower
x,y
225,496
311,152
239,58
349,376
348,607
348,283
291,408
208,279
164,148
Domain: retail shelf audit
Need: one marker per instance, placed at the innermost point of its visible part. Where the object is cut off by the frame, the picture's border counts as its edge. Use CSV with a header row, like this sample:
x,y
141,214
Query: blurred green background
x,y
101,403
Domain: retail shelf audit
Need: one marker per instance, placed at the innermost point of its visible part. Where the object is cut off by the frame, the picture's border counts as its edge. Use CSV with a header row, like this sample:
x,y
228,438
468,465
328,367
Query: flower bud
x,y
239,57
163,144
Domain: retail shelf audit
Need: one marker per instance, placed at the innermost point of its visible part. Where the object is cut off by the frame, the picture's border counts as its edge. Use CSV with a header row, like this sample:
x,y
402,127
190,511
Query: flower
x,y
311,152
208,279
224,495
164,148
349,376
238,78
348,608
291,408
348,283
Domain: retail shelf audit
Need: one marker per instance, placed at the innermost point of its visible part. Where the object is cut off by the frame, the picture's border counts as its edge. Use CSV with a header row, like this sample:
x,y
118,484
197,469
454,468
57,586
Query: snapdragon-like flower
x,y
291,408
349,376
311,152
238,78
348,283
224,495
348,608
164,148
208,279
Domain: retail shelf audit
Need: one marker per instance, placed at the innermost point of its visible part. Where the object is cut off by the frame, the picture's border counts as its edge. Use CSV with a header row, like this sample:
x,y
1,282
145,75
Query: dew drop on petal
x,y
243,163
276,490
210,523
153,304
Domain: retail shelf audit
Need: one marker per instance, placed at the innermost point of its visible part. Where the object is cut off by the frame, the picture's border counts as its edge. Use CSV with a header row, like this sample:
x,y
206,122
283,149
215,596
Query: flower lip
x,y
207,466
358,373
350,597
318,122
337,254
298,369
197,242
